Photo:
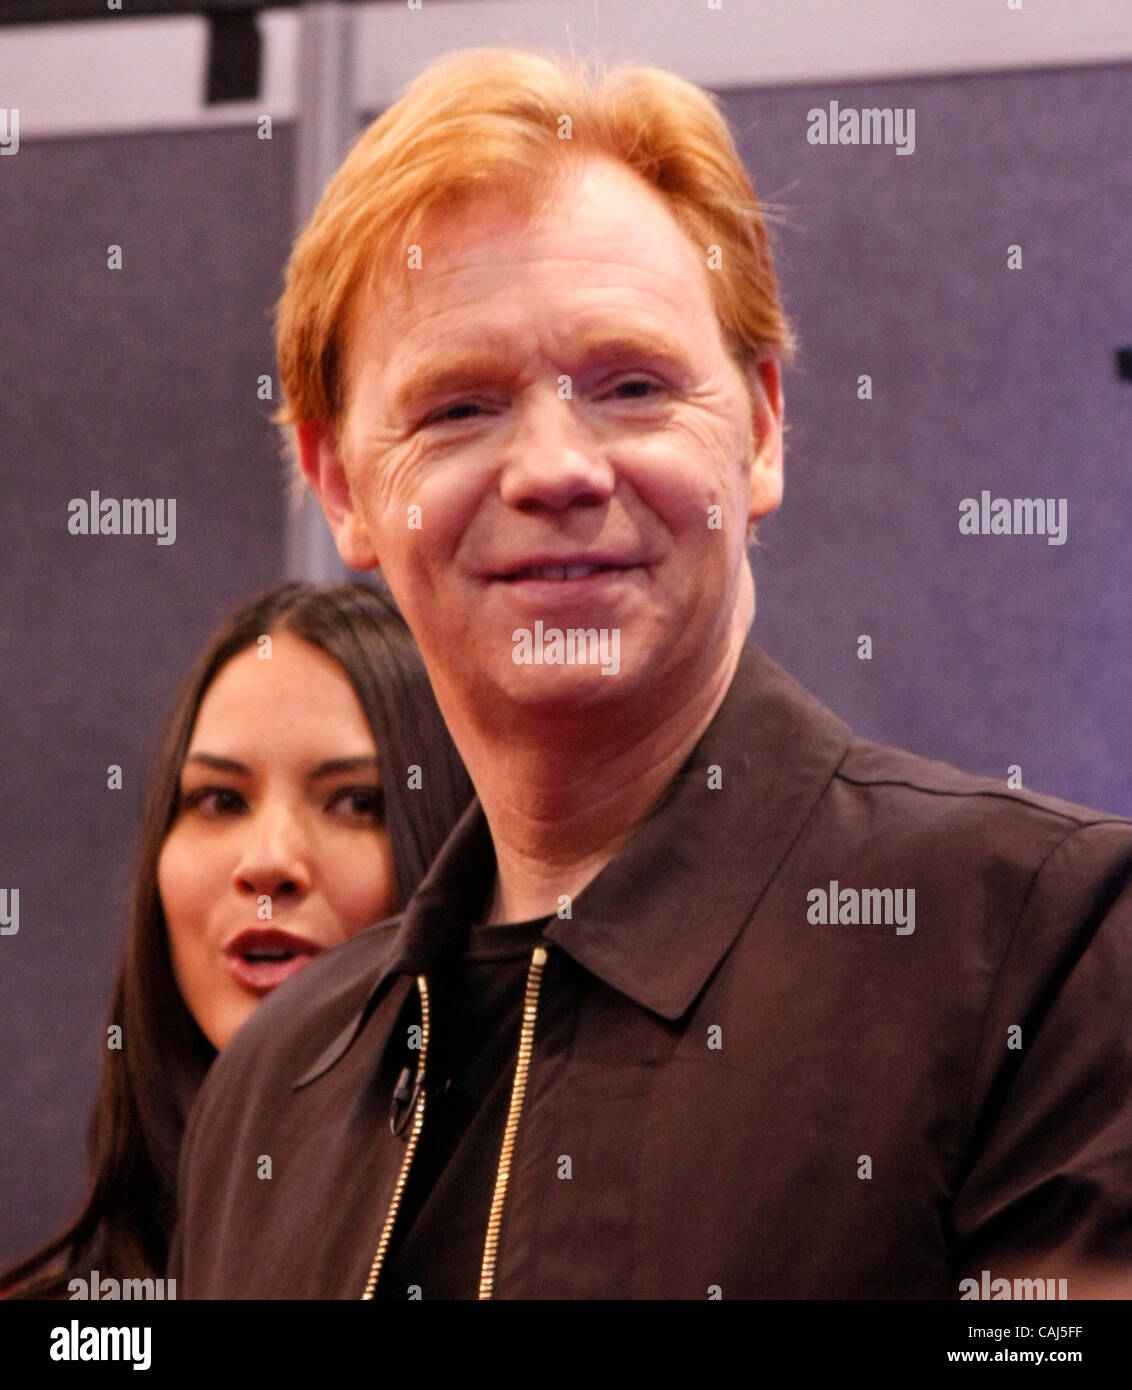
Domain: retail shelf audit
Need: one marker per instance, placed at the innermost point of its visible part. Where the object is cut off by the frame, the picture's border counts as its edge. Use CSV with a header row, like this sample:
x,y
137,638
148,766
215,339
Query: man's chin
x,y
556,691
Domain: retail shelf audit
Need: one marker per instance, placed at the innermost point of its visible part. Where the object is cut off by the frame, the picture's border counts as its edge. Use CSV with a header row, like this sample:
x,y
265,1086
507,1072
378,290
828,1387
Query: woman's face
x,y
279,848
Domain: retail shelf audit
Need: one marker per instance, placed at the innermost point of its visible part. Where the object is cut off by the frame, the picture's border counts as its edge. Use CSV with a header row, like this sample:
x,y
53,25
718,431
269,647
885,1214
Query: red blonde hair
x,y
490,121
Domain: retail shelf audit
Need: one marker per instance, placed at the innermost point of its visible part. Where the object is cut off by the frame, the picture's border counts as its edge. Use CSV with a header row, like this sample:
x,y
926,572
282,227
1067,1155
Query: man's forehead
x,y
596,209
424,332
546,204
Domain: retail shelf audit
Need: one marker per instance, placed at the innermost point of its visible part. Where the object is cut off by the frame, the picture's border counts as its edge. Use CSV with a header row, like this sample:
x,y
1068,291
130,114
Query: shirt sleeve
x,y
1045,1187
176,1264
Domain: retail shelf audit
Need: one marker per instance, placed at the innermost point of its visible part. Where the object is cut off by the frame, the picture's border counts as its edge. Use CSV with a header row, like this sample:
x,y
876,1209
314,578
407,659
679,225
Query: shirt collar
x,y
658,919
429,935
660,916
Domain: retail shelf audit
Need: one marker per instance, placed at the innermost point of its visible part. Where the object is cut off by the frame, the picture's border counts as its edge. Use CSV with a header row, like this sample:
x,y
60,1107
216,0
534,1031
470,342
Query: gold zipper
x,y
514,1113
510,1133
410,1149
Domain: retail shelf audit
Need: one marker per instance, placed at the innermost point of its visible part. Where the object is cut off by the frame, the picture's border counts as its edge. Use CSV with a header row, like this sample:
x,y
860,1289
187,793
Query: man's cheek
x,y
413,492
379,472
698,510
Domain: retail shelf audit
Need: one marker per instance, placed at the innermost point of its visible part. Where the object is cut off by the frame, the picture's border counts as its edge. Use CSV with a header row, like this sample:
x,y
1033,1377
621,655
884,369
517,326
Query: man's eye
x,y
359,803
459,410
214,801
635,388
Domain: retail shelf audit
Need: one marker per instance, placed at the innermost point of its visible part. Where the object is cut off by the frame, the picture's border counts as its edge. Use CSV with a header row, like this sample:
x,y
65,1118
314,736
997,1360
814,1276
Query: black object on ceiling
x,y
58,11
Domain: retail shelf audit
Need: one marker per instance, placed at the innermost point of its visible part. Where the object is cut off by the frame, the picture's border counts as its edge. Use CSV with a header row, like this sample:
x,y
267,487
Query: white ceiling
x,y
120,74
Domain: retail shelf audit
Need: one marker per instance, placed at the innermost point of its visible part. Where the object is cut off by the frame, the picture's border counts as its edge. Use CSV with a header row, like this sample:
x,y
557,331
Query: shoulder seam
x,y
1097,818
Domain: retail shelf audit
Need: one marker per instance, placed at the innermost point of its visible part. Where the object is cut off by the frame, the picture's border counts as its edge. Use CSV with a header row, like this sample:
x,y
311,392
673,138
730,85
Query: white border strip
x,y
119,74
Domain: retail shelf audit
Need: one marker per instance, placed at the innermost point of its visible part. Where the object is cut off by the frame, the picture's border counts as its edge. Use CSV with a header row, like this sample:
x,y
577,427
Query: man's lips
x,y
548,579
554,586
261,960
560,569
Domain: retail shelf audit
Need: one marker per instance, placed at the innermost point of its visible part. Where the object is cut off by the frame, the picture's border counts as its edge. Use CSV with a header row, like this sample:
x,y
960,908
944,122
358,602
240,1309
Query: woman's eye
x,y
359,803
214,801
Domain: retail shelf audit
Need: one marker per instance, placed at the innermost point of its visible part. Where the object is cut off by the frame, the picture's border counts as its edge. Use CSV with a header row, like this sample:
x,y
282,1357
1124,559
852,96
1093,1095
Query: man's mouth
x,y
594,568
560,572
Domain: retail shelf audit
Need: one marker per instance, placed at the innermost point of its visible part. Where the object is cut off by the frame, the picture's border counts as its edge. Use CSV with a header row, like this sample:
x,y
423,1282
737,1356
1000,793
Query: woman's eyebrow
x,y
333,766
329,768
219,764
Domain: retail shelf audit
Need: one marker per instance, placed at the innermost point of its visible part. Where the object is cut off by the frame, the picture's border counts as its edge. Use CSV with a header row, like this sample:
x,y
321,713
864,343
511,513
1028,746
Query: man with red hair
x,y
704,997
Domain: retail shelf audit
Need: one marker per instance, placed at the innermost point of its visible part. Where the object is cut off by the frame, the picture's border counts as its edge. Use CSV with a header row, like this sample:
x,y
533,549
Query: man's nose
x,y
551,459
275,857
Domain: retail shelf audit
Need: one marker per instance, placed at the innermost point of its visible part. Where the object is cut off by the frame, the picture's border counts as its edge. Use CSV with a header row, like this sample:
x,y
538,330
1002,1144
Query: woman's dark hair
x,y
147,1086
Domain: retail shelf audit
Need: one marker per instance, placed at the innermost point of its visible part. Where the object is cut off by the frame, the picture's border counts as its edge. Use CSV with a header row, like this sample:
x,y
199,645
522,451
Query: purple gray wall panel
x,y
139,382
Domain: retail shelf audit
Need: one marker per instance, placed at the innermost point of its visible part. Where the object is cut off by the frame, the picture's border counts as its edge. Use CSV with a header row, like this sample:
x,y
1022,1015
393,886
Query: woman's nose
x,y
275,858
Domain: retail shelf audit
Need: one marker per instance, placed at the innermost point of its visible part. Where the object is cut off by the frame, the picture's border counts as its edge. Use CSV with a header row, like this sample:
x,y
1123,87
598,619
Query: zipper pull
x,y
404,1100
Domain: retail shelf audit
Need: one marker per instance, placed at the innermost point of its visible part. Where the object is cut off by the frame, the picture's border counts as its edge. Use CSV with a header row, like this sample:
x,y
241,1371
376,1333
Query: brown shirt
x,y
740,1084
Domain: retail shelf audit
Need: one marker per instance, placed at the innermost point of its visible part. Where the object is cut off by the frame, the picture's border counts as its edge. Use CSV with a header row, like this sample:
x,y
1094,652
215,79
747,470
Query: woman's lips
x,y
261,960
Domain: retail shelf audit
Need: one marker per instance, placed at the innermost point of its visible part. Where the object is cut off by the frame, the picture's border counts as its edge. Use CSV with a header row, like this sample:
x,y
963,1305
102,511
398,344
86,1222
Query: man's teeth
x,y
559,571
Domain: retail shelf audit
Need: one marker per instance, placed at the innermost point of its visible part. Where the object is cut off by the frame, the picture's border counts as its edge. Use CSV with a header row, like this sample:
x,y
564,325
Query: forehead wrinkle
x,y
477,250
627,270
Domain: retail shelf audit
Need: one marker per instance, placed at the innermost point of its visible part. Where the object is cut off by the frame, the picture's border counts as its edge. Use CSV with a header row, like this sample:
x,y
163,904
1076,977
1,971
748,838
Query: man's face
x,y
554,393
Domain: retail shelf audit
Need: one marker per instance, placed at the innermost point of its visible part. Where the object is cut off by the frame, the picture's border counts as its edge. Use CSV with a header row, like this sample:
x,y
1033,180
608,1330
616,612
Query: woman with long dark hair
x,y
304,784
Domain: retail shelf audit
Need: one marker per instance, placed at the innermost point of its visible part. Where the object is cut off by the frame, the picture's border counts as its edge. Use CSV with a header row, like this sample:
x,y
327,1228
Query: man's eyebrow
x,y
635,344
462,370
437,377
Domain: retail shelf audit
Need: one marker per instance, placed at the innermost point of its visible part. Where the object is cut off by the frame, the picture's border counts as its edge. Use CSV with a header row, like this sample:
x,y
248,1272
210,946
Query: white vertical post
x,y
326,122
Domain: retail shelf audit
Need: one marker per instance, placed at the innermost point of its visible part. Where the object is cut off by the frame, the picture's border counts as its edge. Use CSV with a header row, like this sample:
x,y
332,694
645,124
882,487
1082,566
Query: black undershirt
x,y
438,1237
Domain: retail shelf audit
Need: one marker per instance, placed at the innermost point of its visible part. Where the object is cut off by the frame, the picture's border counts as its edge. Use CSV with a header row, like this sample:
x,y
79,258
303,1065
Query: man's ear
x,y
764,385
323,468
